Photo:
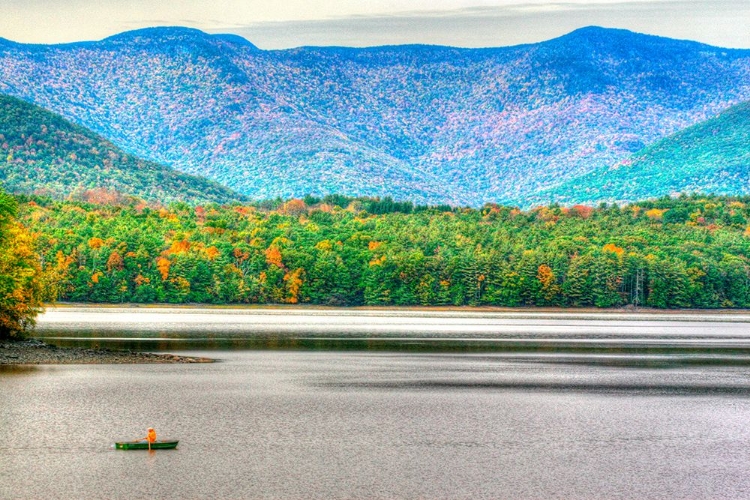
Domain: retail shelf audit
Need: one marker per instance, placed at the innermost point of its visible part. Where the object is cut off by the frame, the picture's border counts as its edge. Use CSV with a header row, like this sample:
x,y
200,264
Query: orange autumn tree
x,y
163,265
20,273
273,256
550,289
294,283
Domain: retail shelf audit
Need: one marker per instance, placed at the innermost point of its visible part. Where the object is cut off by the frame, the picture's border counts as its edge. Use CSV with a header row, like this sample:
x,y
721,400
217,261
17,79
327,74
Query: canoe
x,y
143,445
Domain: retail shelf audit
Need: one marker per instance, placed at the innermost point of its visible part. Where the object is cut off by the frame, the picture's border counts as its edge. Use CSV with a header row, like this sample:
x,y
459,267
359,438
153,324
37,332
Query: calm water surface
x,y
306,423
402,330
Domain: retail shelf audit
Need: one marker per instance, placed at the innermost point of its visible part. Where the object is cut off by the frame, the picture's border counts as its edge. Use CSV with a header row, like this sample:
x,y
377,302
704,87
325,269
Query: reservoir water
x,y
527,413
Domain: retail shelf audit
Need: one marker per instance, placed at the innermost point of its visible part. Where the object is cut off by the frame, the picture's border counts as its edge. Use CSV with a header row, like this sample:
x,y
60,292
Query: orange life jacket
x,y
151,436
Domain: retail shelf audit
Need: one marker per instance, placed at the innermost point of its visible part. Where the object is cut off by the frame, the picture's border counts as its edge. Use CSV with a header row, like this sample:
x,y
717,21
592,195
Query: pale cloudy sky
x,y
290,23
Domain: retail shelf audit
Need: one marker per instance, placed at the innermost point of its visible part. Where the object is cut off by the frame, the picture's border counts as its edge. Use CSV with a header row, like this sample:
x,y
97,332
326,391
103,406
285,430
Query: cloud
x,y
465,23
718,22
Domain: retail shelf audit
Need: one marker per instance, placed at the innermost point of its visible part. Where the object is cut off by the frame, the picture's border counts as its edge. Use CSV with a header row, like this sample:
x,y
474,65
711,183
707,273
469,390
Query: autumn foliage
x,y
20,273
340,251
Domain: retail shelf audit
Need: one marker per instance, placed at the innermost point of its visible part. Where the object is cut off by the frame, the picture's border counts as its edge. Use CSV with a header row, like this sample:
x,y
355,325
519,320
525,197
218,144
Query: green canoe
x,y
143,445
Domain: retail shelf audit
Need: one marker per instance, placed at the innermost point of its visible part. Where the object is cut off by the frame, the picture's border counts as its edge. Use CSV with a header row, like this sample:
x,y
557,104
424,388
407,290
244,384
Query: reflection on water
x,y
623,352
653,388
704,338
16,369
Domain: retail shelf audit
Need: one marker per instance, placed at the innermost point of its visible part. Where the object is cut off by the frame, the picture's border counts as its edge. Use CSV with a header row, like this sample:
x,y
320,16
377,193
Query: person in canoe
x,y
150,437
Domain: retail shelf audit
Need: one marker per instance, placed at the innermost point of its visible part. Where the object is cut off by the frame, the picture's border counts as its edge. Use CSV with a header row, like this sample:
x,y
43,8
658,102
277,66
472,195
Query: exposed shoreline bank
x,y
35,352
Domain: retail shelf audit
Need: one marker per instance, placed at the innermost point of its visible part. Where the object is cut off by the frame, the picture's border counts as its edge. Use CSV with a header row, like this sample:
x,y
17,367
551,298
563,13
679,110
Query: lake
x,y
509,407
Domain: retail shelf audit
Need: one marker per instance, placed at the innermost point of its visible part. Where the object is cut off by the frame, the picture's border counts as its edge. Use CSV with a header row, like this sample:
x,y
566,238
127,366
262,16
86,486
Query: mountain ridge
x,y
427,123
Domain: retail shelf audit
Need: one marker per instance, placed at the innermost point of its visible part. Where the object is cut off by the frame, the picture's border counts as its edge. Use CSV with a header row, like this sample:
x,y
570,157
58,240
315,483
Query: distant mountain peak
x,y
160,34
598,35
176,34
597,31
619,36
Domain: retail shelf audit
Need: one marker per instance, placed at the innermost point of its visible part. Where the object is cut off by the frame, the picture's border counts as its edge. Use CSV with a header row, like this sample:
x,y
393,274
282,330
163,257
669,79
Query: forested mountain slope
x,y
426,123
710,157
41,152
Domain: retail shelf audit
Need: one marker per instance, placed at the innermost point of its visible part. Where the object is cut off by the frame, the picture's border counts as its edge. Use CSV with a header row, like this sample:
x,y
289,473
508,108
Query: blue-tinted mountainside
x,y
432,124
42,153
710,157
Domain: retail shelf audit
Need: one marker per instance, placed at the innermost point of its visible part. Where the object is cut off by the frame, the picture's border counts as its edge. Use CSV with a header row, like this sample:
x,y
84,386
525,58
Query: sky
x,y
277,24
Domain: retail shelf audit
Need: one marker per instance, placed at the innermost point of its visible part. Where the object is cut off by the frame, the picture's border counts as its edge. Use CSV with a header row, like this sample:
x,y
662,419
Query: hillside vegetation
x,y
21,286
41,152
710,157
422,123
667,253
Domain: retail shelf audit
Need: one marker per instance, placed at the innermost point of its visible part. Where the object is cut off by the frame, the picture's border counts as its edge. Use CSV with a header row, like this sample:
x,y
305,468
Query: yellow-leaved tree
x,y
20,273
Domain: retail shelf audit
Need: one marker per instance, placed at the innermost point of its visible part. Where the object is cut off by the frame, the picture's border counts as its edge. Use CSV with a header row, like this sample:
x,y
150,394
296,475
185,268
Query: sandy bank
x,y
34,352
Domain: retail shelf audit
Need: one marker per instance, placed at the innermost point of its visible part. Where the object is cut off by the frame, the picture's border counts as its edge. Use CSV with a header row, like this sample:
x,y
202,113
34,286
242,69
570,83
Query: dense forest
x,y
692,251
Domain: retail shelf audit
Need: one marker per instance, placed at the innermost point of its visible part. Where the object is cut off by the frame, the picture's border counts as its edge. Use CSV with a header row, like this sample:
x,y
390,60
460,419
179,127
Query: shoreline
x,y
36,352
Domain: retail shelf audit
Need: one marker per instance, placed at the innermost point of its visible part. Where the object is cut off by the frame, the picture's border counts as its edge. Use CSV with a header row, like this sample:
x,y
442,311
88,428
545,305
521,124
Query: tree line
x,y
686,252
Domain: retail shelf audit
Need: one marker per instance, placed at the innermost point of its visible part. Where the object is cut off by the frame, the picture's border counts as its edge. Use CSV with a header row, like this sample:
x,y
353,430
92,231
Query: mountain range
x,y
426,123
